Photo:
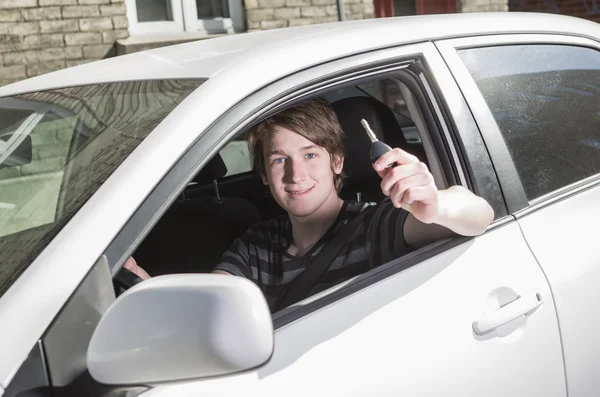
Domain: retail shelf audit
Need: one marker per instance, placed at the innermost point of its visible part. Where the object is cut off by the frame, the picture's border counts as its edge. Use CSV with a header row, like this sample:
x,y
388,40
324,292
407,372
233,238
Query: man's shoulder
x,y
267,230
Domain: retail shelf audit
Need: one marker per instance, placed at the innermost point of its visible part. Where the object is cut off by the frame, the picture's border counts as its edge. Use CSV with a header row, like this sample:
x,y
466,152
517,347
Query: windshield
x,y
58,147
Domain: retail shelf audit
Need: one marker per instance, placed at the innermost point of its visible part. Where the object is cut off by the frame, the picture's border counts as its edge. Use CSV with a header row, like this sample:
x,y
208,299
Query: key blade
x,y
370,132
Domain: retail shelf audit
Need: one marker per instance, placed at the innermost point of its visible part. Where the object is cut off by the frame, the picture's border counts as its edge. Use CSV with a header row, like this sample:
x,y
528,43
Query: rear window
x,y
58,147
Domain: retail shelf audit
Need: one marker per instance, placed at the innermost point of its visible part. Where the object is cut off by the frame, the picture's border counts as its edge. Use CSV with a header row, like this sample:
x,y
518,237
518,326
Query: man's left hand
x,y
409,184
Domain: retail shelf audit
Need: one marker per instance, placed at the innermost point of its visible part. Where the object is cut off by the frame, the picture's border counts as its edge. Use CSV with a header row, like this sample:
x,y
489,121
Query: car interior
x,y
219,204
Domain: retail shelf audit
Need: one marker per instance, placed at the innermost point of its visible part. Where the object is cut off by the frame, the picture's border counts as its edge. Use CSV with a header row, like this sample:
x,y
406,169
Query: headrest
x,y
382,121
214,169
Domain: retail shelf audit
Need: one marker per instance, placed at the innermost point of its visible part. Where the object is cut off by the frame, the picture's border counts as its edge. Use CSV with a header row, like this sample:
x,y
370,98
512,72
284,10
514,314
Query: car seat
x,y
361,182
193,234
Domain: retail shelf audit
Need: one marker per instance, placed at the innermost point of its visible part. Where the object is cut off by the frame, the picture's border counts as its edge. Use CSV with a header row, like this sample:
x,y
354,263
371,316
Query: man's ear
x,y
263,176
338,164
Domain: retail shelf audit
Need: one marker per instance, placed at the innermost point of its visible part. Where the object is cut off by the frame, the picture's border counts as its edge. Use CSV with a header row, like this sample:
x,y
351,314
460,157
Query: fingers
x,y
398,193
400,173
396,155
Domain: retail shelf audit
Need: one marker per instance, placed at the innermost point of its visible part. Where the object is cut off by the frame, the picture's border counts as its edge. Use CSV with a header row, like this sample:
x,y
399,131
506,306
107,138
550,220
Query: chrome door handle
x,y
521,306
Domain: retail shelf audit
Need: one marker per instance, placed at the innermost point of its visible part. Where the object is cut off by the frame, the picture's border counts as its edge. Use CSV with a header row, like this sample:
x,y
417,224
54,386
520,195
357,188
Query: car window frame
x,y
269,100
510,181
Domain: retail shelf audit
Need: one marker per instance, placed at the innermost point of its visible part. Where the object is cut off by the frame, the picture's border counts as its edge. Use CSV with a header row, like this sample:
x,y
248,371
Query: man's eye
x,y
311,155
278,160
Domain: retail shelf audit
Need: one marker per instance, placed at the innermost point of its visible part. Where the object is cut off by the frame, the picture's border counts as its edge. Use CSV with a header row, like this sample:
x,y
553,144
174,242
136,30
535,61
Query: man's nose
x,y
296,171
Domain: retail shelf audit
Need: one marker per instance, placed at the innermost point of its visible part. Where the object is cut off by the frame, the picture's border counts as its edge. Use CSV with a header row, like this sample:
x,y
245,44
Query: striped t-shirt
x,y
261,255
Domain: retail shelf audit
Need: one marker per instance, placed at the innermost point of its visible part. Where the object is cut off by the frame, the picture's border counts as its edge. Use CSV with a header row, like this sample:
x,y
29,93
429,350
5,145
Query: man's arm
x,y
434,214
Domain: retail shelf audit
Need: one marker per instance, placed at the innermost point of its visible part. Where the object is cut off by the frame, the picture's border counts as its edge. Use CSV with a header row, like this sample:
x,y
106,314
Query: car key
x,y
378,148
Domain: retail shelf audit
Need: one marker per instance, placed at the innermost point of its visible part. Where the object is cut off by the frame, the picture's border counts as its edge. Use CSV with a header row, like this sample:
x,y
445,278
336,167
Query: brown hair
x,y
315,120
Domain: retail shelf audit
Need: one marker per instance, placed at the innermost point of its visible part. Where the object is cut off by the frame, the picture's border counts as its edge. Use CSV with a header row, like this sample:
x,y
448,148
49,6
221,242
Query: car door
x,y
466,316
551,126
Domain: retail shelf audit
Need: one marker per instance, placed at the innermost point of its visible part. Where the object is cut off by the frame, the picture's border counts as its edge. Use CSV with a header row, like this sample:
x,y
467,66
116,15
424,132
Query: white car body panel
x,y
415,335
564,238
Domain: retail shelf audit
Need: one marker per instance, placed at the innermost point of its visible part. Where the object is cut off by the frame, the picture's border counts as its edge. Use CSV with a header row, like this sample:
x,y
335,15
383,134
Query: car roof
x,y
282,51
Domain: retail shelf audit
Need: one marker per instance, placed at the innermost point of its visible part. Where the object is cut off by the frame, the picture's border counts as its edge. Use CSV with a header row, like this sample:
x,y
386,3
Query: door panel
x,y
564,238
412,334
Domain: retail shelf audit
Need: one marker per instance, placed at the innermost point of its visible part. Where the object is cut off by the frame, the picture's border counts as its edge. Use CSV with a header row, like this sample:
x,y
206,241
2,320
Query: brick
x,y
301,22
325,19
358,8
10,16
19,29
331,10
11,43
113,10
97,51
65,26
94,1
95,24
287,13
42,55
250,4
271,3
297,3
314,11
273,24
11,172
81,11
77,62
261,15
113,35
43,13
253,25
120,22
18,3
117,1
57,2
324,2
13,58
44,41
13,72
83,38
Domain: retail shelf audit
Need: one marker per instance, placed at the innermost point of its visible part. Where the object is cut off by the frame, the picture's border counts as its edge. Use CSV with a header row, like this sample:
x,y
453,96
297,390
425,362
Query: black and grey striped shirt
x,y
261,255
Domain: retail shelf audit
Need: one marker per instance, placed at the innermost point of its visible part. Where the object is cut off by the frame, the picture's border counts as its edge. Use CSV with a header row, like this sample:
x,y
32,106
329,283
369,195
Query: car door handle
x,y
521,306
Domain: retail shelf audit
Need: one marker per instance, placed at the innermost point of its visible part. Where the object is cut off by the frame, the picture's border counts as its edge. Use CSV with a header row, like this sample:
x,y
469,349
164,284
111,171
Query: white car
x,y
145,155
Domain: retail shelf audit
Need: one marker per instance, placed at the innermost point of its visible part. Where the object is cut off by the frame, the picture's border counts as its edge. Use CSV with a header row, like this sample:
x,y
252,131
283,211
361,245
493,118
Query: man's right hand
x,y
133,267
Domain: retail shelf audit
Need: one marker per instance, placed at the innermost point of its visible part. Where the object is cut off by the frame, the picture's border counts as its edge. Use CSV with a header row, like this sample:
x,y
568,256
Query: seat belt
x,y
301,286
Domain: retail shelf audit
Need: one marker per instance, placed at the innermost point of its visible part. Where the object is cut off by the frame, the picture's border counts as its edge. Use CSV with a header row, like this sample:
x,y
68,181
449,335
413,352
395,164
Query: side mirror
x,y
179,327
15,150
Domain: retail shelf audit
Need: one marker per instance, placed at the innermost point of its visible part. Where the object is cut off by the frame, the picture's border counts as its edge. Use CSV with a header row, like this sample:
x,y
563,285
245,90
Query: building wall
x,y
273,14
481,5
587,9
40,36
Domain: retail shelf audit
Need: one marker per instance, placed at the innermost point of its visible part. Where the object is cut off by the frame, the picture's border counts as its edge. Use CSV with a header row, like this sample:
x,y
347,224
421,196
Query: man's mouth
x,y
298,191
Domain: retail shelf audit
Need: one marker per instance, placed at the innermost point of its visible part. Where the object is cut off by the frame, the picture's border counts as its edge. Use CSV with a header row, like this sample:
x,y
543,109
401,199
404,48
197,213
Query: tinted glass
x,y
78,136
546,102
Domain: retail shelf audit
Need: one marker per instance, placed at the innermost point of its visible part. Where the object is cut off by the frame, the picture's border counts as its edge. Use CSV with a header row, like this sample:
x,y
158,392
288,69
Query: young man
x,y
299,153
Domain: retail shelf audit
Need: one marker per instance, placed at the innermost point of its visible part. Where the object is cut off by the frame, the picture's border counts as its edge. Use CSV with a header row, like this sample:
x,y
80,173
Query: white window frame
x,y
208,25
185,19
138,28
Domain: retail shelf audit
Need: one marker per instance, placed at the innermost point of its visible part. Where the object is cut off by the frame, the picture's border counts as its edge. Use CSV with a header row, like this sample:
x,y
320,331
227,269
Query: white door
x,y
412,334
555,143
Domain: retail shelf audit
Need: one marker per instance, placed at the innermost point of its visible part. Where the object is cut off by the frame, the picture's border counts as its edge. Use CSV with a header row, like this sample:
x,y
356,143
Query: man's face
x,y
298,172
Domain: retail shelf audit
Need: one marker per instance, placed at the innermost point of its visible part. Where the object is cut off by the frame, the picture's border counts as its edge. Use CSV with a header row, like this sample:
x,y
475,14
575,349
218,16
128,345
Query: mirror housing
x,y
179,327
19,148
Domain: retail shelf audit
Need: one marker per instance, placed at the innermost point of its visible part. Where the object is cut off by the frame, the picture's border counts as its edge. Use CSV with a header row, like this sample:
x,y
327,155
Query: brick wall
x,y
273,14
481,5
587,9
40,36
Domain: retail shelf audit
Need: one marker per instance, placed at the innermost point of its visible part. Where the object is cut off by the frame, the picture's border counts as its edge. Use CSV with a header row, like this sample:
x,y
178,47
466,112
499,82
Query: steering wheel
x,y
124,280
